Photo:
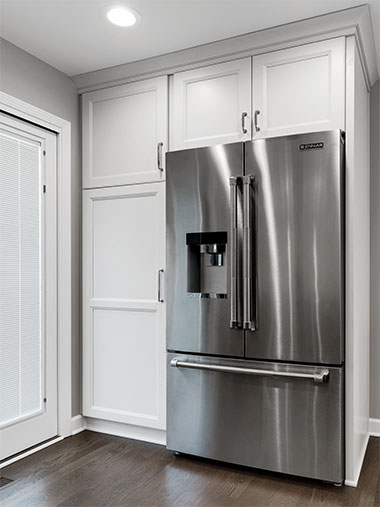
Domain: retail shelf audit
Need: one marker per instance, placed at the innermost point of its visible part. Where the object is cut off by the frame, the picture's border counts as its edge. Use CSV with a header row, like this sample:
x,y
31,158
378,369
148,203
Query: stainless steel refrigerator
x,y
255,303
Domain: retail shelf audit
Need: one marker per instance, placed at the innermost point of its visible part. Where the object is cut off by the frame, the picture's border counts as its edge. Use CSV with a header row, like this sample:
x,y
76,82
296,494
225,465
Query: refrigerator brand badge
x,y
311,146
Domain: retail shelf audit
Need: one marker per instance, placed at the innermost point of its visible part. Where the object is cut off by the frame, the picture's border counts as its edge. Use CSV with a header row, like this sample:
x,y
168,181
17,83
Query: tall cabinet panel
x,y
125,131
124,321
299,90
211,105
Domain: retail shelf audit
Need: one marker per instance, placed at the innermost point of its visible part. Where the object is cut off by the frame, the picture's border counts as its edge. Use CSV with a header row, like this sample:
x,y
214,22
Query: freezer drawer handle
x,y
319,378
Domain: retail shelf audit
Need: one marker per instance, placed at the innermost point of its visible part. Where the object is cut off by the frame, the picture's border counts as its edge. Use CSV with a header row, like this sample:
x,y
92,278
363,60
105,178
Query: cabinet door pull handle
x,y
243,117
159,295
159,156
257,128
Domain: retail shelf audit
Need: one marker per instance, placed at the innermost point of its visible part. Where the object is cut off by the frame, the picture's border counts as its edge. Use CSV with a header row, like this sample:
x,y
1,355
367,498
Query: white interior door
x,y
123,316
28,265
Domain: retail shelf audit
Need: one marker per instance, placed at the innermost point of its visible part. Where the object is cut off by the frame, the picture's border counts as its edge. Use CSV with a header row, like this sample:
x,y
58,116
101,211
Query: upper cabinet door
x,y
125,134
300,89
211,105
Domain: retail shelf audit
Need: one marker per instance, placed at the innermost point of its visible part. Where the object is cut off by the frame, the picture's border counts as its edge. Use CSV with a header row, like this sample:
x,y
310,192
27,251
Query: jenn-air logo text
x,y
311,146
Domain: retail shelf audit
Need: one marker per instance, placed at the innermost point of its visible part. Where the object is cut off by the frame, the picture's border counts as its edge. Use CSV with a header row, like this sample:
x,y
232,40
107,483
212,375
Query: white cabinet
x,y
211,105
123,319
125,133
295,90
300,89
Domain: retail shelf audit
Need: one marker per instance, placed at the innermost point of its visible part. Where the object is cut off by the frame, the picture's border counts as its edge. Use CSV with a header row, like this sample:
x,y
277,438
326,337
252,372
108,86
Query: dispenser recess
x,y
207,264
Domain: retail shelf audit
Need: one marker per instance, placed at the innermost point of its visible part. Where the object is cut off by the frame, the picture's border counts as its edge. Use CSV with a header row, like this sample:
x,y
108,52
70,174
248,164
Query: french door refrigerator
x,y
255,303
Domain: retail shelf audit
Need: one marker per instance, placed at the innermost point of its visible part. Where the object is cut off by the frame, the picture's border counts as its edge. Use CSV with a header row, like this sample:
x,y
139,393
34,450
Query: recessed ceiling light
x,y
121,15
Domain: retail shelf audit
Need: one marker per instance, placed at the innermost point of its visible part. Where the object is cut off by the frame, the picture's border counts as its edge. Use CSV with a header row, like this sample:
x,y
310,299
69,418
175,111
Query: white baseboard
x,y
355,481
127,430
78,424
374,427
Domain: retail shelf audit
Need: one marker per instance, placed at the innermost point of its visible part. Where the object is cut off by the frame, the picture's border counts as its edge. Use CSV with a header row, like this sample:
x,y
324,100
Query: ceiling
x,y
72,35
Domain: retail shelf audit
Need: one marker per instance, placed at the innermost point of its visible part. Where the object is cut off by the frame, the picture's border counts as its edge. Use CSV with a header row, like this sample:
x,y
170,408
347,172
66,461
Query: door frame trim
x,y
30,113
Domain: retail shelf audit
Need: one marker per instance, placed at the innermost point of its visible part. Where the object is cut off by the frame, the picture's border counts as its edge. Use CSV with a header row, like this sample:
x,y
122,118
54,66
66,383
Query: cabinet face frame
x,y
109,304
179,104
334,50
358,183
158,85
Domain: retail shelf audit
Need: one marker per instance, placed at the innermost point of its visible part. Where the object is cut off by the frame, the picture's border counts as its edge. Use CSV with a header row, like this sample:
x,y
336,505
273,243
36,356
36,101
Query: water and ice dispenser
x,y
207,264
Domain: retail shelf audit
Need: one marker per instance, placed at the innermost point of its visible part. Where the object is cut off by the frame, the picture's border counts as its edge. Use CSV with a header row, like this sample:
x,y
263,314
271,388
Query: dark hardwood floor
x,y
100,470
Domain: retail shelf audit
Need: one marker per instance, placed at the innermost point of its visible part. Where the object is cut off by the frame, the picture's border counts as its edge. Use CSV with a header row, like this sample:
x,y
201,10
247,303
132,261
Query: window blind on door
x,y
21,346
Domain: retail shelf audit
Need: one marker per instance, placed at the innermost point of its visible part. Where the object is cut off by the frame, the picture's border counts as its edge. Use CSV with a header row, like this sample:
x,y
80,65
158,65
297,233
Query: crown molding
x,y
349,22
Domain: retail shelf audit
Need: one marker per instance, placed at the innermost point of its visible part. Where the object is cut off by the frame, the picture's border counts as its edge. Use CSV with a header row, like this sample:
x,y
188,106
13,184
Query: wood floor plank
x,y
91,469
91,472
35,467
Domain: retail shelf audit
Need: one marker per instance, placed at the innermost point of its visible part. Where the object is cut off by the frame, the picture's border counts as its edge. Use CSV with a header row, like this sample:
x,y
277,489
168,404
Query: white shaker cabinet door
x,y
125,133
300,89
123,313
211,105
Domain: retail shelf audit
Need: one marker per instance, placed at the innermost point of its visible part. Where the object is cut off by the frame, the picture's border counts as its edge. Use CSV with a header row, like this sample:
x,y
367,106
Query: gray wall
x,y
375,252
27,78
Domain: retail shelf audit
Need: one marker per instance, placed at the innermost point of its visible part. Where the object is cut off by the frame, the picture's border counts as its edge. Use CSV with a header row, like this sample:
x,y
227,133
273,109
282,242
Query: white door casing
x,y
124,368
208,104
25,111
125,134
35,328
299,90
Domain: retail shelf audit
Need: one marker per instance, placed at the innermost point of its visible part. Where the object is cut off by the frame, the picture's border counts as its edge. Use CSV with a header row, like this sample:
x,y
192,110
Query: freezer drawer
x,y
279,417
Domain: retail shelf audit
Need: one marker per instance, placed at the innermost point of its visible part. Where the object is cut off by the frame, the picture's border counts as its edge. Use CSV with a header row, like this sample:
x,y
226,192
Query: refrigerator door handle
x,y
234,319
318,377
248,296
